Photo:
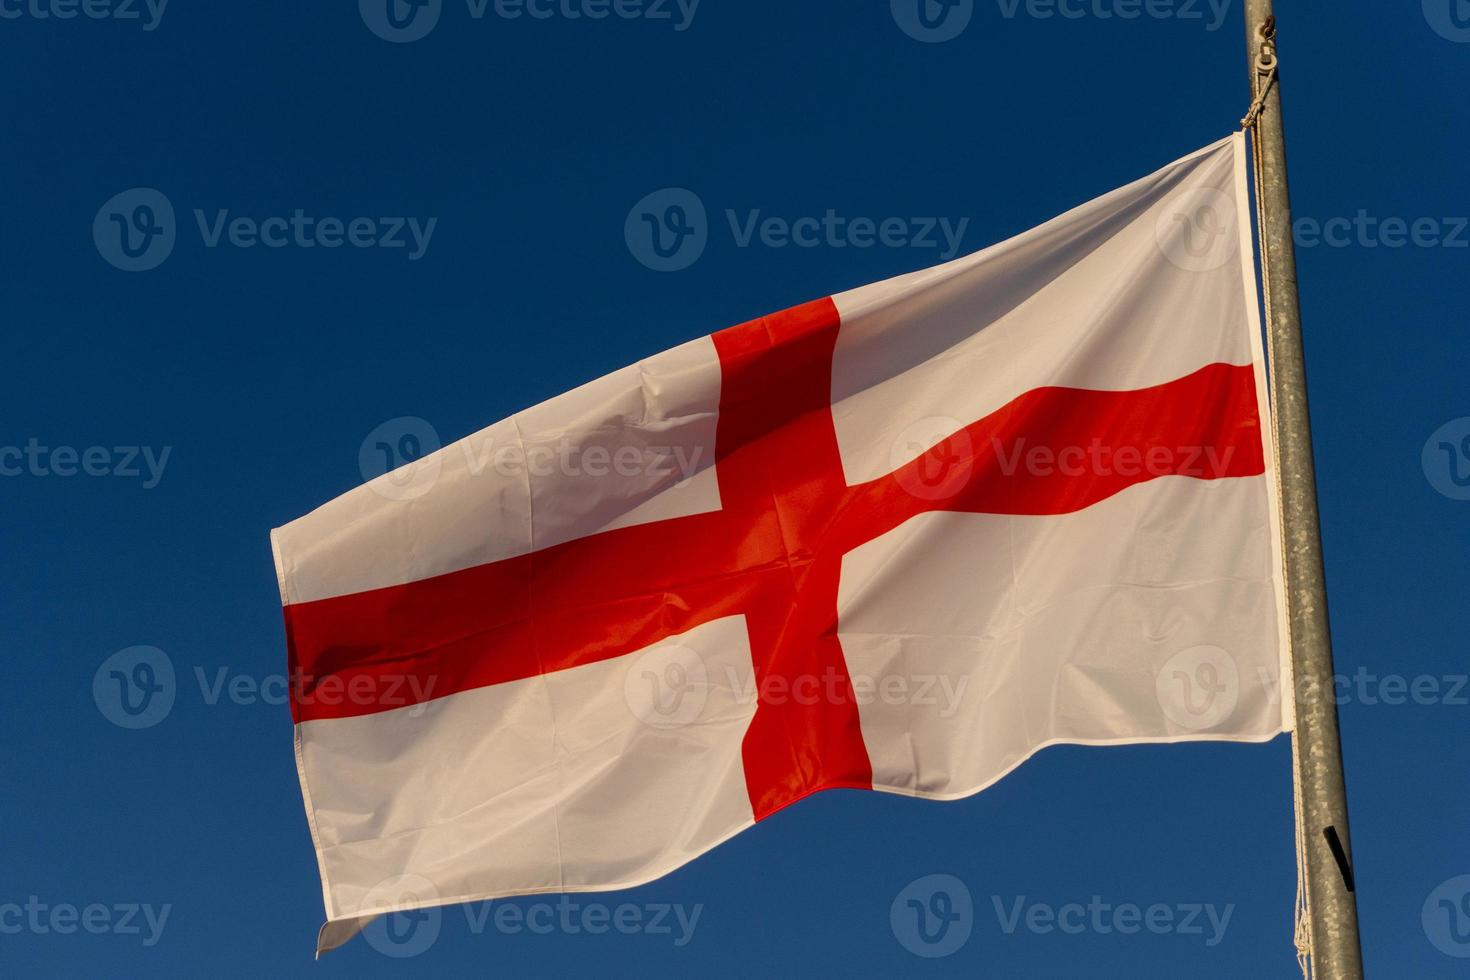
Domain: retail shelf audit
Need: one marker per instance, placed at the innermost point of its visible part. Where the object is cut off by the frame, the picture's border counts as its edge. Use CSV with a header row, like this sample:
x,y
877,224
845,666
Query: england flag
x,y
897,539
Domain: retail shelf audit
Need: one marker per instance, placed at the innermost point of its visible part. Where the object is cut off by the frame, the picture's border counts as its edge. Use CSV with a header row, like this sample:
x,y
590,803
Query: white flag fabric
x,y
897,539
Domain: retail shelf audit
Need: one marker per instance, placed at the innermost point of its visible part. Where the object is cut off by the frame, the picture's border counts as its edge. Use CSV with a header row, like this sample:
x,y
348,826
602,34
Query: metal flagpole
x,y
1335,951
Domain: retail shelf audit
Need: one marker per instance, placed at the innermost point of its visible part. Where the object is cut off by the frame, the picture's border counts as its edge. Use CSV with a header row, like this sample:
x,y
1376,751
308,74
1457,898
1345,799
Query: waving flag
x,y
897,539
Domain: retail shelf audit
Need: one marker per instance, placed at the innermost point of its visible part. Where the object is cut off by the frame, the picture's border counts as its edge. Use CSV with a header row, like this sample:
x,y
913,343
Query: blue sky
x,y
229,389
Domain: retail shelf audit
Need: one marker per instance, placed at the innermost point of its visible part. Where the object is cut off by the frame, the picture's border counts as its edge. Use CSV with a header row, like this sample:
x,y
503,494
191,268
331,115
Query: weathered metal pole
x,y
1336,954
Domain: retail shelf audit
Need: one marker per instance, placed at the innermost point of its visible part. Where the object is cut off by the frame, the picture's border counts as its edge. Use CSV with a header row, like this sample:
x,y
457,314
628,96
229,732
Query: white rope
x,y
1265,65
1302,934
1262,80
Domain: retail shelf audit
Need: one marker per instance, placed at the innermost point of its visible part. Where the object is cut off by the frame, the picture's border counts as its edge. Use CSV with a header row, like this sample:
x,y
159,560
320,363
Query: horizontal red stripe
x,y
614,593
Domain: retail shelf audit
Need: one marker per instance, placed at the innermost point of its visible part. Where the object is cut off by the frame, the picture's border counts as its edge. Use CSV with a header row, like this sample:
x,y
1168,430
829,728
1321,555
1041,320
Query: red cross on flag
x,y
897,539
